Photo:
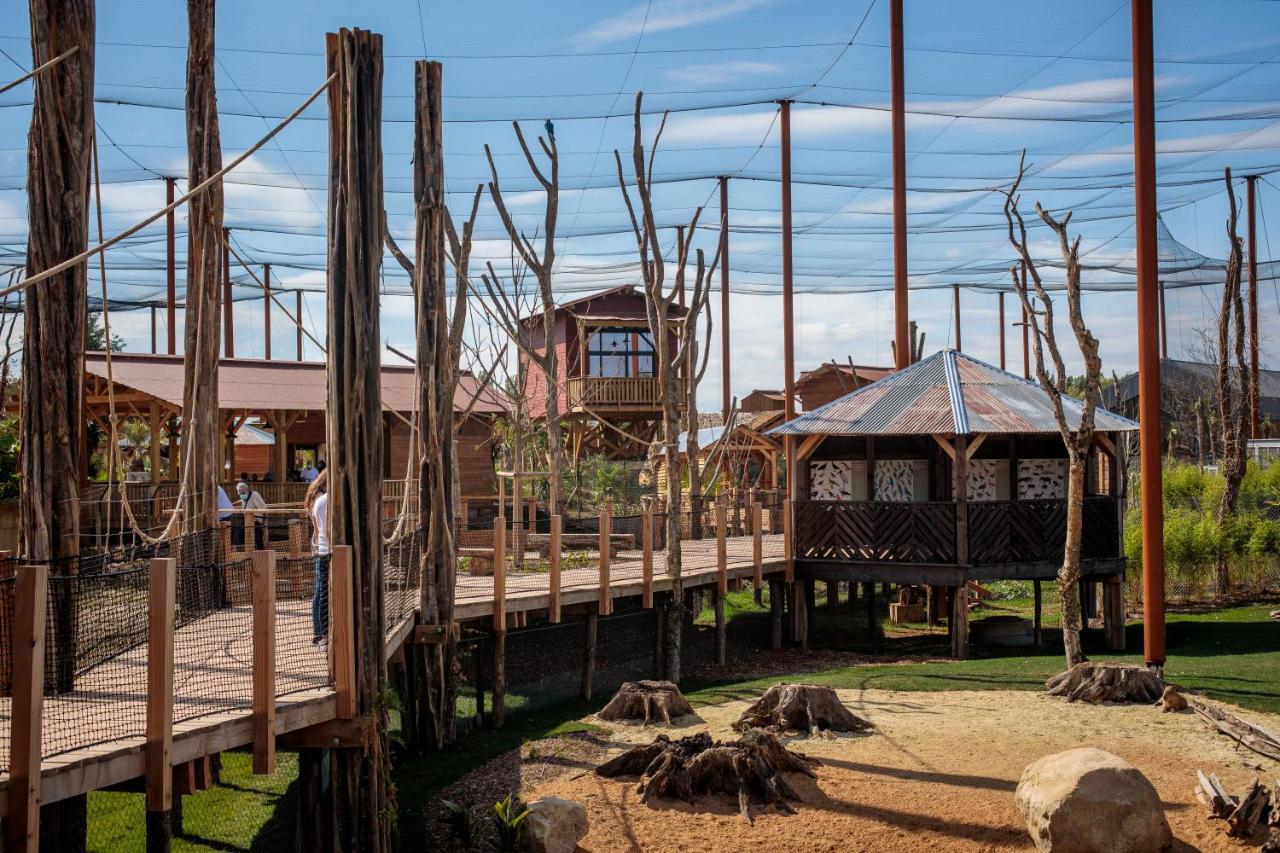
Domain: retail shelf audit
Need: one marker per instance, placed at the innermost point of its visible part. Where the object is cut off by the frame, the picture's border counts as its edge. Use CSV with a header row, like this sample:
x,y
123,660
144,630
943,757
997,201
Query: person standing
x,y
317,504
309,473
252,501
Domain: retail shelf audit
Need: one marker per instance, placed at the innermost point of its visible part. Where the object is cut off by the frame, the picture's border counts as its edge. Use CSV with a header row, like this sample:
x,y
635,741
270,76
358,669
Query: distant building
x,y
762,401
832,381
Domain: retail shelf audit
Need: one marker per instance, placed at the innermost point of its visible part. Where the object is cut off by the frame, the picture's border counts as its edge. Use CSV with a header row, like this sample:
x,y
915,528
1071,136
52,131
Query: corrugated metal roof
x,y
948,392
258,385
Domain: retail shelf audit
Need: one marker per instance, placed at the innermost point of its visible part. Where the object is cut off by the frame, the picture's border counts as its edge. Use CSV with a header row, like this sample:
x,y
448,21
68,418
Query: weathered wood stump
x,y
646,700
750,768
800,707
1107,682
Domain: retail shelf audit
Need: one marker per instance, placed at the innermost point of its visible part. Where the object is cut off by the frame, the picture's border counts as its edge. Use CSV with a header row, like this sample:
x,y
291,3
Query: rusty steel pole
x,y
955,309
298,316
679,249
153,330
171,273
1144,167
1001,324
228,325
725,396
1164,325
1255,421
901,332
788,306
1026,331
266,311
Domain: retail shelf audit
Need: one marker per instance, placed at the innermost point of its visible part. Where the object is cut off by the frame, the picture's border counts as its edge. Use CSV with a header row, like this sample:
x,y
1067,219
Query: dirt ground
x,y
937,773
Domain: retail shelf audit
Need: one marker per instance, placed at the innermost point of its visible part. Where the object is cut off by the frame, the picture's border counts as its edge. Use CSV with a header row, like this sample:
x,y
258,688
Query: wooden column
x,y
959,622
646,559
1149,432
1113,612
722,645
775,611
264,655
606,596
901,333
873,615
206,255
757,544
1038,613
153,440
589,653
725,393
171,271
722,549
266,311
30,599
342,631
788,543
162,582
499,573
553,574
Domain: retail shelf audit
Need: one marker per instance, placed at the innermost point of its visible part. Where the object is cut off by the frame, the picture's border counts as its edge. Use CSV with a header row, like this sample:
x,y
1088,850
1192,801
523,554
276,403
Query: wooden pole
x,y
499,574
1037,614
788,300
722,550
775,612
646,563
298,314
788,542
725,373
553,575
342,631
757,544
1001,324
955,310
606,543
264,657
228,305
1149,432
162,583
589,653
30,597
206,260
171,270
266,311
722,643
901,334
1255,418
960,596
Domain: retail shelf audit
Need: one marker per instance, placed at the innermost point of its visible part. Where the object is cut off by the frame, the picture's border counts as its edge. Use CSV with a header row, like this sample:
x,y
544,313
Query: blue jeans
x,y
320,599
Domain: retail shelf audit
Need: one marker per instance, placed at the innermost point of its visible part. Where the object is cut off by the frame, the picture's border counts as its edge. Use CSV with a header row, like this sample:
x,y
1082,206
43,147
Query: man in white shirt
x,y
252,501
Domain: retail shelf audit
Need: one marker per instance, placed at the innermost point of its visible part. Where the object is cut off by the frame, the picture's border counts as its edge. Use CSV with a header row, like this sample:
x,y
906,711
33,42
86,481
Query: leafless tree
x,y
670,355
1233,385
693,369
1078,438
541,263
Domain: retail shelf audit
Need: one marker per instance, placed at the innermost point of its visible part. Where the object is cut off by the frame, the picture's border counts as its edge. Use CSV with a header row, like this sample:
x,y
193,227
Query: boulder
x,y
1088,800
555,825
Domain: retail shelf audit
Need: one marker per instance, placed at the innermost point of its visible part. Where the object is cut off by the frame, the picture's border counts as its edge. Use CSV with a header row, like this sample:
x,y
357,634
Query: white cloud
x,y
805,124
663,16
720,72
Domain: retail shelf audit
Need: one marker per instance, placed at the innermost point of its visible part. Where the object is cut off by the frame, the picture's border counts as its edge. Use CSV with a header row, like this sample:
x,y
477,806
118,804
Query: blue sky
x,y
983,80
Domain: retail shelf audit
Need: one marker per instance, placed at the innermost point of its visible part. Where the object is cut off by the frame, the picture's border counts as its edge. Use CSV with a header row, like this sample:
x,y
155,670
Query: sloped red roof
x,y
950,393
257,385
866,373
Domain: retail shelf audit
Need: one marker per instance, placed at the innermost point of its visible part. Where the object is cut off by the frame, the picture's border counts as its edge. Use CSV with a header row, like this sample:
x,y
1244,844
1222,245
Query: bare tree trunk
x,y
201,433
360,775
1069,572
436,378
59,145
1233,385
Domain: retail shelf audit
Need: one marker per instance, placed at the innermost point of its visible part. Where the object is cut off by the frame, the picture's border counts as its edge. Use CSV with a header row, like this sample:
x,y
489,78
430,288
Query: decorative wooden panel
x,y
875,531
1042,479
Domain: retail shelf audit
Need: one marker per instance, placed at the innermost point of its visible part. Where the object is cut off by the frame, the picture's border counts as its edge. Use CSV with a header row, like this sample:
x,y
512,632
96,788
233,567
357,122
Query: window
x,y
620,352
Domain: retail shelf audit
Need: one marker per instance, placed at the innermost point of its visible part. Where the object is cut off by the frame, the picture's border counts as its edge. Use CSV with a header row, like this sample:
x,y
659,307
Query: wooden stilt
x,y
498,715
646,563
775,611
162,582
873,615
1038,613
30,597
959,623
717,602
264,658
589,653
1113,614
553,608
833,596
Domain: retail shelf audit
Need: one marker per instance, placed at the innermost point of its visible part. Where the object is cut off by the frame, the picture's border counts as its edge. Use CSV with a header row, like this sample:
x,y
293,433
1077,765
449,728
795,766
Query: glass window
x,y
619,352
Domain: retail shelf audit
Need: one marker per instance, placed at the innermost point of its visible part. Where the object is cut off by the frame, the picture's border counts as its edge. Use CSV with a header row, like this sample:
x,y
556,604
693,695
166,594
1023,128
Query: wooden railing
x,y
614,391
998,531
857,531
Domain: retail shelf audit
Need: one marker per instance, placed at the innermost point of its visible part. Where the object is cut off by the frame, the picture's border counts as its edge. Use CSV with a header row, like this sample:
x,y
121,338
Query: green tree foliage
x,y
96,336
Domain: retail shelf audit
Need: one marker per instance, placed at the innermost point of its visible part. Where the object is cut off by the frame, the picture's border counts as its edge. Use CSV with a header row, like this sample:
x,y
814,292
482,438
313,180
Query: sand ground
x,y
937,773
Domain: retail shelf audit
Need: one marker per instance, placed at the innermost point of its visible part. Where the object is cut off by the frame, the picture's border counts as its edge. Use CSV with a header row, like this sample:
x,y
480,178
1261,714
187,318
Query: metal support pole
x,y
153,330
228,324
788,306
1001,323
724,297
171,274
1026,336
298,316
1144,165
1255,421
679,249
901,334
266,311
1164,325
955,309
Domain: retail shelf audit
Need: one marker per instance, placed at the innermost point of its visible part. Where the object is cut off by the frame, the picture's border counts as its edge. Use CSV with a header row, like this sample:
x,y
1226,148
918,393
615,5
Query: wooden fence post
x,y
646,564
500,574
606,542
722,551
757,544
264,662
342,637
788,549
31,594
161,602
553,604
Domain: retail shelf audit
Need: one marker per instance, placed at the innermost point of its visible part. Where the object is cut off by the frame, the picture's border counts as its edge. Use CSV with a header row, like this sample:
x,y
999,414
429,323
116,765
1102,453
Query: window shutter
x,y
1003,492
920,484
859,489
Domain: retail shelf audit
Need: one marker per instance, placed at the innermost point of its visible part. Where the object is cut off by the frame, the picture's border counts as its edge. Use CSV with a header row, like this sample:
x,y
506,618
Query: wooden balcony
x,y
609,393
1004,538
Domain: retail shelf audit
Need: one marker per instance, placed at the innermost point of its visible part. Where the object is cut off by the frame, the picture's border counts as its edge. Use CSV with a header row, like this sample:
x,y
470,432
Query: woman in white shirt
x,y
317,504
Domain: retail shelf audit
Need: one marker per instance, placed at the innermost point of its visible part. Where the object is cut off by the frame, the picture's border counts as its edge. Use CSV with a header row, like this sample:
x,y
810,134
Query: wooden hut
x,y
762,401
741,456
833,380
876,497
606,373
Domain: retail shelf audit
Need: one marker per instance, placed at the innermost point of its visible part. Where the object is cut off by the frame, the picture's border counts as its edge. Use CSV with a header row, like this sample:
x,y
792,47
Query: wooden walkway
x,y
93,737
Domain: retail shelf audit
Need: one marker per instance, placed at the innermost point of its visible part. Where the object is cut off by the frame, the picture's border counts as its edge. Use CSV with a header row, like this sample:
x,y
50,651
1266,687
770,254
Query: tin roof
x,y
258,385
950,393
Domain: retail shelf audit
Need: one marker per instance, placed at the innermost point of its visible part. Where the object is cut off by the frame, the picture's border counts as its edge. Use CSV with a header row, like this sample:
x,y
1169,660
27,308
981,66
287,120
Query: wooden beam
x,y
808,446
974,444
31,586
264,655
342,652
646,560
606,546
162,582
945,444
348,734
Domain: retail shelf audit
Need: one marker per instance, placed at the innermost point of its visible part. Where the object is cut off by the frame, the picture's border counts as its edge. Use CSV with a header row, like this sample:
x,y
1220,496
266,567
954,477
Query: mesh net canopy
x,y
983,83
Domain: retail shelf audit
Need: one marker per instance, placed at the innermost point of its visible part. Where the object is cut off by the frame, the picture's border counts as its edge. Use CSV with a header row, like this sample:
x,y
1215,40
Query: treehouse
x,y
740,458
606,371
947,472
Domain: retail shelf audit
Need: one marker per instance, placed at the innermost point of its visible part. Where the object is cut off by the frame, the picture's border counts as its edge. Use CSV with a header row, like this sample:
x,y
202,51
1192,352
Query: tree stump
x,y
800,707
646,700
1107,682
750,768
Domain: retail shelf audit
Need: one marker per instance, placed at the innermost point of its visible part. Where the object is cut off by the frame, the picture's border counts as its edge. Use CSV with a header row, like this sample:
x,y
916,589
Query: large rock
x,y
555,825
1088,800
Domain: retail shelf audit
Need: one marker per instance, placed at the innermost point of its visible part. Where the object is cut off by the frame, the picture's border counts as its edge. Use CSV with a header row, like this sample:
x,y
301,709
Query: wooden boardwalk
x,y
93,737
